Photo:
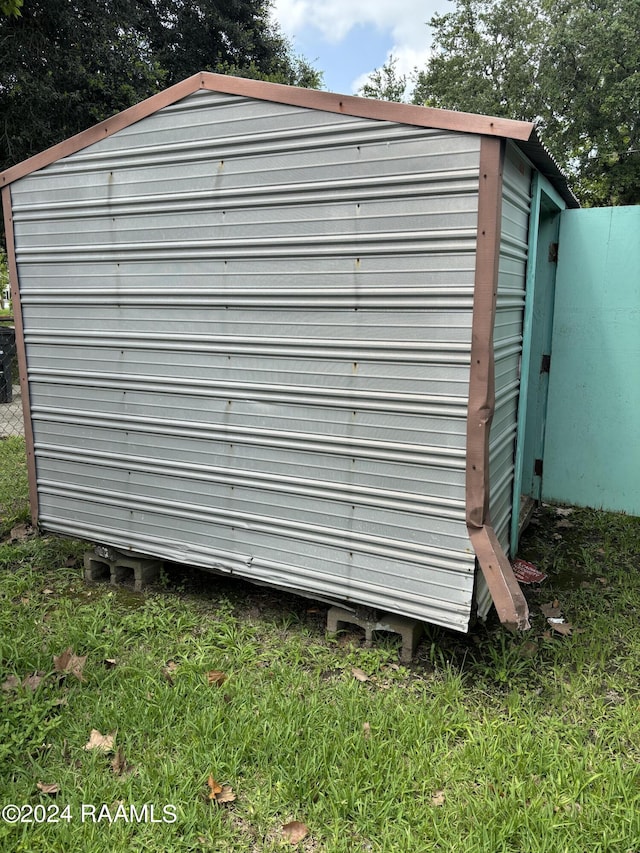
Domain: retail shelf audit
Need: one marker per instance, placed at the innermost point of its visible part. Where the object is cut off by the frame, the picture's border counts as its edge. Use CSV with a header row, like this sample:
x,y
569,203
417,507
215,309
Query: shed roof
x,y
521,132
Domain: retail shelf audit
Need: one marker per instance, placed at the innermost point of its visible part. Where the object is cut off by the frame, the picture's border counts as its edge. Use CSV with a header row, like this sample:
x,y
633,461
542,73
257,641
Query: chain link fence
x,y
11,422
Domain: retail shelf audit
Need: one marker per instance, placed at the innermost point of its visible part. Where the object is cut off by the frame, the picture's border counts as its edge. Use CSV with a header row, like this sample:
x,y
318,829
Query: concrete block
x,y
371,621
106,563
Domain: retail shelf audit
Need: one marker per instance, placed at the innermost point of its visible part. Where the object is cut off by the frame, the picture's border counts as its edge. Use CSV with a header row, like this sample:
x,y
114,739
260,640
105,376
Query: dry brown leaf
x,y
359,674
438,798
214,788
366,730
103,743
11,683
220,793
295,831
226,795
216,678
110,663
551,610
21,531
52,788
119,763
32,682
563,628
69,663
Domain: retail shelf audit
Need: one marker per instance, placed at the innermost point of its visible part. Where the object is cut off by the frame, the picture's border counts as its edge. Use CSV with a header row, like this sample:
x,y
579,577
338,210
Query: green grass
x,y
14,489
487,742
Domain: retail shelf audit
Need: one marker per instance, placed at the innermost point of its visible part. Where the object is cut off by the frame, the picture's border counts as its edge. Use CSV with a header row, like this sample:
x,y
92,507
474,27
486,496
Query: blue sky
x,y
347,39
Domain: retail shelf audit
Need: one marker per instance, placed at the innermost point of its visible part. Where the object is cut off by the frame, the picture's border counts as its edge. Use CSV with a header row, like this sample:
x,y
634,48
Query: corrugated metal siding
x,y
248,329
516,204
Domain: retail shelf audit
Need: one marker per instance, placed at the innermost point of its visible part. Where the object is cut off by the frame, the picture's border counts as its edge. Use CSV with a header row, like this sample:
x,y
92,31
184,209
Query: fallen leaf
x,y
52,788
366,730
214,788
21,531
563,628
110,663
226,795
215,677
564,510
32,682
220,793
69,663
103,743
48,591
551,610
11,683
119,764
438,798
565,524
295,831
359,674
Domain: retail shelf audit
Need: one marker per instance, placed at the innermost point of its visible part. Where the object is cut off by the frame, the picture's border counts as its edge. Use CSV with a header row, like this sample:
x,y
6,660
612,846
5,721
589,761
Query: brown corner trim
x,y
20,349
504,588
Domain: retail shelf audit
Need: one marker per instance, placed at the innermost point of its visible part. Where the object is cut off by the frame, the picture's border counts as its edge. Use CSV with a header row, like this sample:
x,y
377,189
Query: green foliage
x,y
573,68
11,8
14,490
385,83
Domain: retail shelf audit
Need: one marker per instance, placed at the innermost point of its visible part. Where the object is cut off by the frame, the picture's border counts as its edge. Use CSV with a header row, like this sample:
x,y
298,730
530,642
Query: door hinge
x,y
553,253
537,467
545,365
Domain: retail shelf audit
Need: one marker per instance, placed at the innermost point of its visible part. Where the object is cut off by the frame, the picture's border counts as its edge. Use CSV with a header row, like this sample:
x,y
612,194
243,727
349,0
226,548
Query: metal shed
x,y
279,333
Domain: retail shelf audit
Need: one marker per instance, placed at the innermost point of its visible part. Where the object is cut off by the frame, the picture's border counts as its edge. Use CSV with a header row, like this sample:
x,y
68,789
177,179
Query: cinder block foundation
x,y
371,621
103,563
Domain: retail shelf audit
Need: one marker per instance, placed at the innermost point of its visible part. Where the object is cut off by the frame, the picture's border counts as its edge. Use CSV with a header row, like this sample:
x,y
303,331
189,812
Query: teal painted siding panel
x,y
592,447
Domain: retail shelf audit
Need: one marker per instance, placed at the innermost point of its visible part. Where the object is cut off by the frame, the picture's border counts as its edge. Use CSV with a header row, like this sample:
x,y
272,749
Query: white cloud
x,y
404,19
405,22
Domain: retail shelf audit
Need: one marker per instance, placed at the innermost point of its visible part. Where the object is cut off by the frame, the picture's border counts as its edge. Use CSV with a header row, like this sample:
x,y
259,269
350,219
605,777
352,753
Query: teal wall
x,y
592,443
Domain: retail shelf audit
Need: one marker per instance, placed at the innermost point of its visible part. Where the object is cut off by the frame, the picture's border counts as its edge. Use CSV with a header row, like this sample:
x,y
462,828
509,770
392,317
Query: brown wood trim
x,y
353,105
295,96
505,590
20,349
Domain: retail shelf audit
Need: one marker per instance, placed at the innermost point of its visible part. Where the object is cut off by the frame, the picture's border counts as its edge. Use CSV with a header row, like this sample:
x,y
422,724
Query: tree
x,y
227,36
67,64
11,8
385,83
572,66
593,62
487,59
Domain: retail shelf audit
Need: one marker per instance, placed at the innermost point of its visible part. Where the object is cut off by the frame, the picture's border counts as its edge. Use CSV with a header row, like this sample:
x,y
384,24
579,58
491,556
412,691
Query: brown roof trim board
x,y
522,132
507,596
22,357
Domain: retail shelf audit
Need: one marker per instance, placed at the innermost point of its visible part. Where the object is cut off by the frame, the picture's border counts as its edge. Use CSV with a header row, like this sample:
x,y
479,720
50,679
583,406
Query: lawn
x,y
220,717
